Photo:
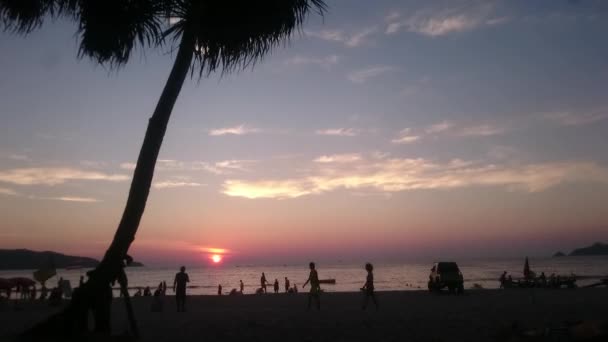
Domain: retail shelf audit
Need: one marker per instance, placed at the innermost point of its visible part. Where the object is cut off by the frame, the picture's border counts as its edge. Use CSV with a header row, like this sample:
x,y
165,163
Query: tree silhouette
x,y
210,35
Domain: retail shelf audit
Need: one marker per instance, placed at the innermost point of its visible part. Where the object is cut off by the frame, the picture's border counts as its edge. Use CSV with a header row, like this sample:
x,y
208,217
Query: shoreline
x,y
477,315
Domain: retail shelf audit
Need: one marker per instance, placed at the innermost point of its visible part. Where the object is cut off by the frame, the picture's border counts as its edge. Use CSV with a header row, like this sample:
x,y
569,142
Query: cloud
x,y
339,158
54,176
324,62
439,127
405,137
175,184
72,199
360,37
8,192
497,21
363,75
353,40
236,130
397,174
127,166
434,22
481,131
20,157
341,132
265,189
218,168
460,130
577,119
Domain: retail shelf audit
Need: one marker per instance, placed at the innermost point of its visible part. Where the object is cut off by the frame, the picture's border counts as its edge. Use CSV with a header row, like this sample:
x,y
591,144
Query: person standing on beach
x,y
263,282
276,286
219,290
286,285
368,287
242,286
179,287
315,286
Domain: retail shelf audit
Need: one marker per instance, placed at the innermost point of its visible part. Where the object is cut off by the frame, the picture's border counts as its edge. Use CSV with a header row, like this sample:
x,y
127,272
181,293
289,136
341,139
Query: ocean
x,y
349,277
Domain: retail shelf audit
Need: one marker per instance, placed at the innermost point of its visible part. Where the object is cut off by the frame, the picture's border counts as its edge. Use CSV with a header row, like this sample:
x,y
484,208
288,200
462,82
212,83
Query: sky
x,y
386,130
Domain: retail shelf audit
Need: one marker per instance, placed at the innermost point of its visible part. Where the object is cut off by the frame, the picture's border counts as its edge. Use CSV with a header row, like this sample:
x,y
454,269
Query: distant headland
x,y
24,259
597,248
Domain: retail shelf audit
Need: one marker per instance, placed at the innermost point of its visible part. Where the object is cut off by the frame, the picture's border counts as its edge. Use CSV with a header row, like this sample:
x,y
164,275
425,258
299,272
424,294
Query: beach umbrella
x,y
44,274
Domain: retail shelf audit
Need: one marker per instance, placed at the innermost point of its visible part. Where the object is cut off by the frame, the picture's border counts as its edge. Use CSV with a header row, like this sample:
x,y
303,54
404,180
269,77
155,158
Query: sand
x,y
478,315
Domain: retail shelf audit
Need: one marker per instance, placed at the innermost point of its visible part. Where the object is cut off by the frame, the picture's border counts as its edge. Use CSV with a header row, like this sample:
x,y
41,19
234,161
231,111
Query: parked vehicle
x,y
446,274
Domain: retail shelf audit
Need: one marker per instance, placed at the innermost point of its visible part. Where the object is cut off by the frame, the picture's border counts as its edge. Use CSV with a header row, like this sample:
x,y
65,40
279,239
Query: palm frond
x,y
23,16
110,29
233,34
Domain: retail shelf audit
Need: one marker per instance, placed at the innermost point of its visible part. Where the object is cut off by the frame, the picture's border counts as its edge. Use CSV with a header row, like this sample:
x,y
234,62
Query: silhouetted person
x,y
219,290
295,288
81,282
503,279
159,290
286,284
138,293
543,279
315,286
242,286
179,287
368,287
263,282
43,292
147,292
165,287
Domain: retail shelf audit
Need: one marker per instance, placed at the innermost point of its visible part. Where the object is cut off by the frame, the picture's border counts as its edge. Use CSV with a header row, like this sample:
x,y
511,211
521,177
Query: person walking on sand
x,y
287,287
315,287
368,287
179,287
242,286
276,286
263,282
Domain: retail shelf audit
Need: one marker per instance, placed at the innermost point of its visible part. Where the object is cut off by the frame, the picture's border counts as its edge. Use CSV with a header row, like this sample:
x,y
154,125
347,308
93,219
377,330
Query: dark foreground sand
x,y
478,315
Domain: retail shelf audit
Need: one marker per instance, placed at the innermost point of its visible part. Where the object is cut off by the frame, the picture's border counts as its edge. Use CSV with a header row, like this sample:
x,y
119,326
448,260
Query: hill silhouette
x,y
597,248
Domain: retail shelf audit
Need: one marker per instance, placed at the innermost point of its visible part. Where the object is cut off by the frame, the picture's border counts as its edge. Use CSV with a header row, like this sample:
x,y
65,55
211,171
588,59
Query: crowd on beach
x,y
182,279
542,281
27,289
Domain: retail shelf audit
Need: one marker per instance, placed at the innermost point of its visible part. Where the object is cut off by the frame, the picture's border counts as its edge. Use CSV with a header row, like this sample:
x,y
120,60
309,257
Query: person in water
x,y
263,282
179,287
368,287
315,287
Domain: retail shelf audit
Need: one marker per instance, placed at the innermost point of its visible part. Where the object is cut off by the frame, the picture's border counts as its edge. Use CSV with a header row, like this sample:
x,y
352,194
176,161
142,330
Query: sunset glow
x,y
387,130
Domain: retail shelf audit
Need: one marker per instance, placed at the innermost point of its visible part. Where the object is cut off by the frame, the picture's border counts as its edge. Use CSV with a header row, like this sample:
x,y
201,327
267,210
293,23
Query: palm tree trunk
x,y
95,294
146,162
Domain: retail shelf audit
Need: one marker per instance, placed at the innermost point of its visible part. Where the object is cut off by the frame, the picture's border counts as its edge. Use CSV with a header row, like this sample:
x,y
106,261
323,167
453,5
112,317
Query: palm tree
x,y
225,35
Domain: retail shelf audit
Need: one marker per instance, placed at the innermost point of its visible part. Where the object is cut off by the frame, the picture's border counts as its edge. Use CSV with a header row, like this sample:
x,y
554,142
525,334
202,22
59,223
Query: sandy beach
x,y
478,315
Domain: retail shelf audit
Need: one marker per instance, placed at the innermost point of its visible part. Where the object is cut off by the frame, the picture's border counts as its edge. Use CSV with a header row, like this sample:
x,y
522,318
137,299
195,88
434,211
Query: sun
x,y
216,258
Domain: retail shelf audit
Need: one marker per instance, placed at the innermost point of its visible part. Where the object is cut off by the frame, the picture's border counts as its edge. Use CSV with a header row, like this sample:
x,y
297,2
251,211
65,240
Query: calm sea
x,y
349,277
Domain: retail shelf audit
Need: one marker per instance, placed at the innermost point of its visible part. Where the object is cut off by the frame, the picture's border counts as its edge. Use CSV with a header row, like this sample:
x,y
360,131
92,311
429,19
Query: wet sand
x,y
478,315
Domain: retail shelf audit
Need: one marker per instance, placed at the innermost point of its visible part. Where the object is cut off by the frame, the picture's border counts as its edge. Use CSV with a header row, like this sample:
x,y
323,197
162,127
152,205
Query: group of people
x,y
264,284
542,281
182,279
